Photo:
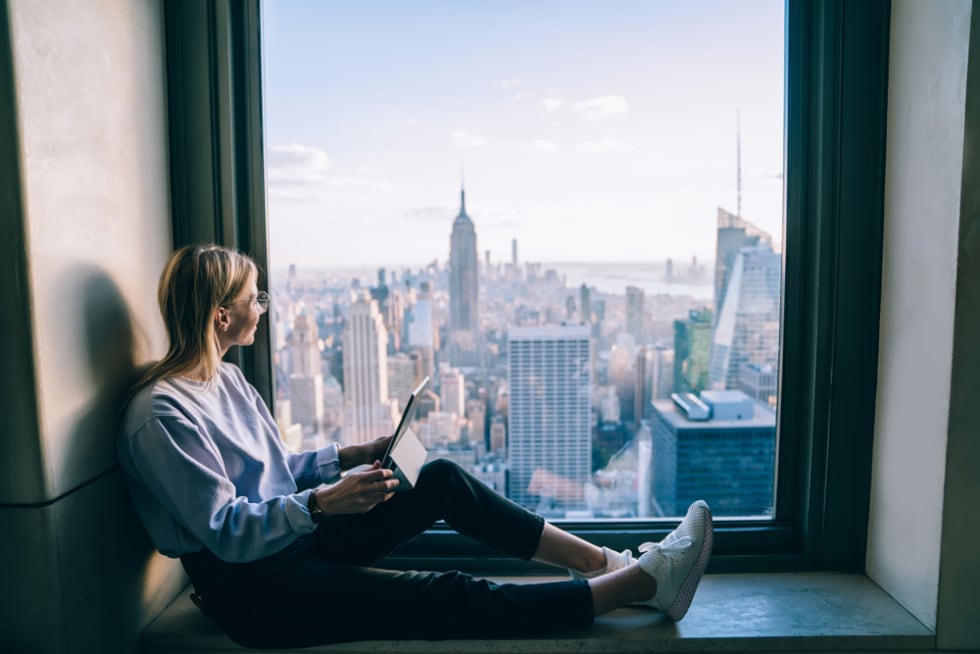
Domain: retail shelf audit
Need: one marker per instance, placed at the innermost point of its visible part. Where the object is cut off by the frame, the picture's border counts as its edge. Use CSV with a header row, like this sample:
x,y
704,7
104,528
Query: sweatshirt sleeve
x,y
183,471
312,468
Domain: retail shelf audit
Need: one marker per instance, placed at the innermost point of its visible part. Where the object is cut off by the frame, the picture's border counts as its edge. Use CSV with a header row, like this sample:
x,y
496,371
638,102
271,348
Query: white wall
x,y
926,105
92,113
90,98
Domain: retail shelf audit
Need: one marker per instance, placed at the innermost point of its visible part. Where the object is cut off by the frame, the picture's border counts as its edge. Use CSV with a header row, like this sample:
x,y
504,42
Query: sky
x,y
589,131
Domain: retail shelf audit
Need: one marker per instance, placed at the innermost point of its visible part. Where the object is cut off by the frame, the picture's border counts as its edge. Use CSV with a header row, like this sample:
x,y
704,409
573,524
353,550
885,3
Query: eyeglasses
x,y
261,300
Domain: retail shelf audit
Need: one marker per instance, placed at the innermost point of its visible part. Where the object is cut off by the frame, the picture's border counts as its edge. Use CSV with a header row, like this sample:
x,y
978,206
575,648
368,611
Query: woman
x,y
280,546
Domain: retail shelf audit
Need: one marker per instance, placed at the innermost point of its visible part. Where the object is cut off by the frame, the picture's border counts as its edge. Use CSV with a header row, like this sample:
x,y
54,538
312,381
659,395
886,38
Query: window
x,y
623,171
835,56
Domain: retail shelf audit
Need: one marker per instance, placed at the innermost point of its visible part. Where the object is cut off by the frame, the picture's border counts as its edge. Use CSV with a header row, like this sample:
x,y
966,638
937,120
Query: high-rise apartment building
x,y
723,452
306,380
365,342
549,414
747,331
464,301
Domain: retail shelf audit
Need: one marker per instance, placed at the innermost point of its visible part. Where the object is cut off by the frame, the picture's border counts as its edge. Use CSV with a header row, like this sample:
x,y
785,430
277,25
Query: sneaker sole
x,y
685,595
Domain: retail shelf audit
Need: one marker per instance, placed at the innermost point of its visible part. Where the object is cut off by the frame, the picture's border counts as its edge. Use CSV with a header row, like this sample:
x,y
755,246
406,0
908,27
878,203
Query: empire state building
x,y
464,320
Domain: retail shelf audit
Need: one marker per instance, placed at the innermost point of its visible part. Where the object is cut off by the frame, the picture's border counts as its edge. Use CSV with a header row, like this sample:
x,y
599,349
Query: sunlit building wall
x,y
549,408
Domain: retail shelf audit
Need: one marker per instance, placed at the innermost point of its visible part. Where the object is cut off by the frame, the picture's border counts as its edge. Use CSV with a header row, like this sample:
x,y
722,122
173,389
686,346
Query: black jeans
x,y
321,589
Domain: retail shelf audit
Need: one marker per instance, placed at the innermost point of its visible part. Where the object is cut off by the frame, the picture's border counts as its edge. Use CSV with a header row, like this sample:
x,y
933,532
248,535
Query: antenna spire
x,y
738,157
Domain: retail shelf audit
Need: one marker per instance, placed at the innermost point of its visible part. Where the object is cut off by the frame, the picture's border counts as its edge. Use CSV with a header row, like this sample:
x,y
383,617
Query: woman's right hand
x,y
357,492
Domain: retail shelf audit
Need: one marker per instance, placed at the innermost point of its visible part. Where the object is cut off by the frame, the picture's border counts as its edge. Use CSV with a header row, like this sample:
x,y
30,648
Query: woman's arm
x,y
184,472
323,466
314,467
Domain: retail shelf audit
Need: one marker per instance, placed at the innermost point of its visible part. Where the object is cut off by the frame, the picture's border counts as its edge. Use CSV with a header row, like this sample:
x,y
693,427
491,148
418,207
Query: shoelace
x,y
676,546
627,557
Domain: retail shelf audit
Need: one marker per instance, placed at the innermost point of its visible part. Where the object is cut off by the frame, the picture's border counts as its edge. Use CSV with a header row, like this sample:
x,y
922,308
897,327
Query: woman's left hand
x,y
376,449
363,454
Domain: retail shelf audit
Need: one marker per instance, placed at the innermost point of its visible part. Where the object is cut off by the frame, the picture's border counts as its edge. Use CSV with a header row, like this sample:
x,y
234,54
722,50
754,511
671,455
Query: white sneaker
x,y
678,561
614,561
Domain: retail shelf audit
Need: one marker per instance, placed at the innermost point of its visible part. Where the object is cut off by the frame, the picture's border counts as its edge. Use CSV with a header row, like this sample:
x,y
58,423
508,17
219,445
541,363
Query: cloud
x,y
605,144
544,145
507,83
607,105
301,173
464,139
297,164
440,214
411,122
355,182
551,104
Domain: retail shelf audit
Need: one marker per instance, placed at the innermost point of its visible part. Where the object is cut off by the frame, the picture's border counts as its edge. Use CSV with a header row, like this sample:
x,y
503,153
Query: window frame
x,y
836,94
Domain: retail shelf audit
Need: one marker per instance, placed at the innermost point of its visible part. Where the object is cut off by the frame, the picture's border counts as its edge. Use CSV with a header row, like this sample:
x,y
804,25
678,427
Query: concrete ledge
x,y
732,613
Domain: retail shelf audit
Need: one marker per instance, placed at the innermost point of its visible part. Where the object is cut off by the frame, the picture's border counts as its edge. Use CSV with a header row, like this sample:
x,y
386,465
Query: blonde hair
x,y
195,282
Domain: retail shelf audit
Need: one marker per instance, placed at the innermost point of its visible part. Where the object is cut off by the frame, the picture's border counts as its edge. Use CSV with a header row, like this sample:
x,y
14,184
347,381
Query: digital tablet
x,y
405,454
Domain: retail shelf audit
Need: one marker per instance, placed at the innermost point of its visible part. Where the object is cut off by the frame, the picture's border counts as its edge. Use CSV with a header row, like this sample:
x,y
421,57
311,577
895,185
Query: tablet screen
x,y
406,418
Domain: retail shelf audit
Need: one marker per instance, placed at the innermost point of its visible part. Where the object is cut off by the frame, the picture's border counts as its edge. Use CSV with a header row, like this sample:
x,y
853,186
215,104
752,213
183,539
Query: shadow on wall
x,y
119,583
106,337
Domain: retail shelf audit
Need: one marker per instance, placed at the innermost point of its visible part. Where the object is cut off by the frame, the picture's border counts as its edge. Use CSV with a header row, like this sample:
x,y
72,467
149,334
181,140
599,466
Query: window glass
x,y
567,214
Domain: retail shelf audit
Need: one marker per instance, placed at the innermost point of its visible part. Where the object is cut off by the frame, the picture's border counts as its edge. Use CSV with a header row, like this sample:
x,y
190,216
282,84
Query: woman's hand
x,y
377,448
363,454
357,492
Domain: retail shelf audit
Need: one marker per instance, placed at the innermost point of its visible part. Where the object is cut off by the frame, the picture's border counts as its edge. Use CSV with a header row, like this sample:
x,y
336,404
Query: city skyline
x,y
623,116
555,408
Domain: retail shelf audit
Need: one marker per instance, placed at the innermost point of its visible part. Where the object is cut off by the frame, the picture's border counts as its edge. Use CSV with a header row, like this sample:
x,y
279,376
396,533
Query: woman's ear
x,y
222,319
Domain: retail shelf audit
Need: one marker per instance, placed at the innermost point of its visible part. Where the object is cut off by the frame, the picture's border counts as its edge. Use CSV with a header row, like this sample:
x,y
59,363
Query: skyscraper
x,y
403,377
306,380
759,381
366,373
422,335
452,392
734,233
549,415
692,352
634,313
390,305
464,321
585,304
747,331
726,458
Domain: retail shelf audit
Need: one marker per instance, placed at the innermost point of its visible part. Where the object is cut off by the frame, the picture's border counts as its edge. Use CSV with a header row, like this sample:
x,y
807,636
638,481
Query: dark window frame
x,y
836,92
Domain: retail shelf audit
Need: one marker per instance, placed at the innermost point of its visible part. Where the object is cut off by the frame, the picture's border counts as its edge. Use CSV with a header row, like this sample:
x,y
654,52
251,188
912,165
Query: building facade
x,y
365,342
747,331
464,300
549,415
306,379
727,459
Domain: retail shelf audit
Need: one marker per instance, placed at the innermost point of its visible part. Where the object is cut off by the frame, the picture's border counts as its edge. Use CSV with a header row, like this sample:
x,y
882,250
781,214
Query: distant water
x,y
651,277
609,278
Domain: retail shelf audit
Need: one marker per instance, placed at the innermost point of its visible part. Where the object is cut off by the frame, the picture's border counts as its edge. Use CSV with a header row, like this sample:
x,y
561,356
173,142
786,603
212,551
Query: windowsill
x,y
757,612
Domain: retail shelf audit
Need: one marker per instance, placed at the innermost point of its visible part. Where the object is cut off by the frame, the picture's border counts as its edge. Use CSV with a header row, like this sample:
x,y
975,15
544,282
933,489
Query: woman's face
x,y
237,321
